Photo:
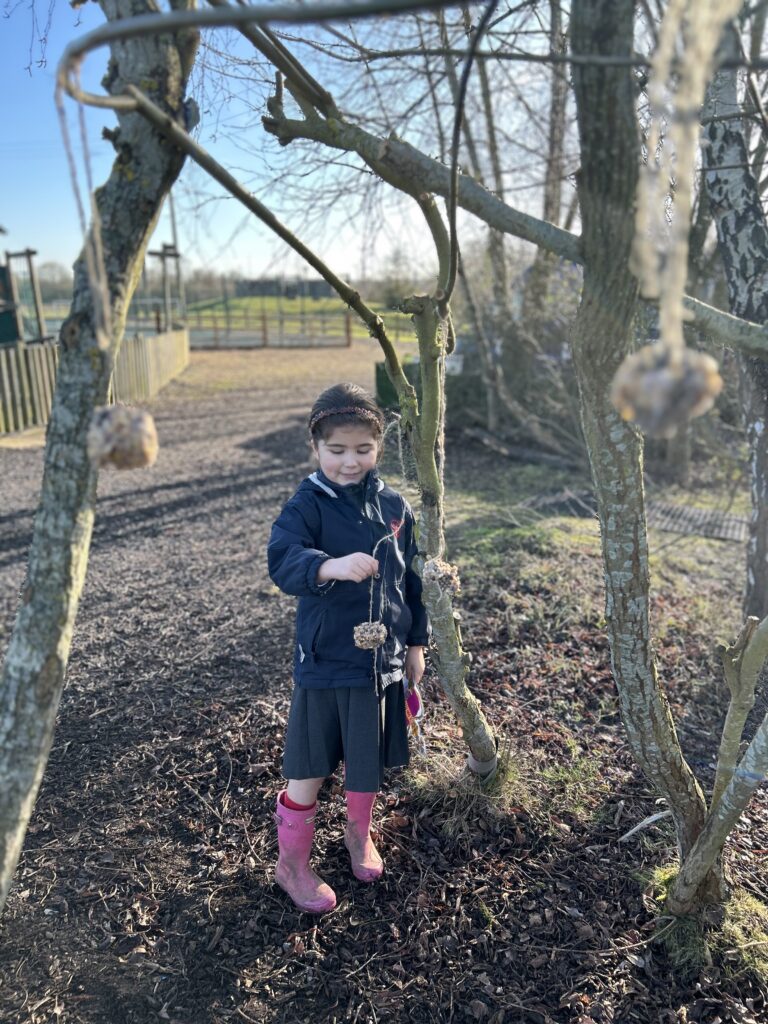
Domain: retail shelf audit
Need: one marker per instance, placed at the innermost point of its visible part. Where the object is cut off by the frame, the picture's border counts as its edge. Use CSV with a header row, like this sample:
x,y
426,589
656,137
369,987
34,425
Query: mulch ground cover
x,y
144,893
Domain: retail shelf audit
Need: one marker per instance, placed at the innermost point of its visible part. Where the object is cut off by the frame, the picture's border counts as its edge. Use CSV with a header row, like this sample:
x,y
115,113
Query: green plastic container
x,y
386,395
464,393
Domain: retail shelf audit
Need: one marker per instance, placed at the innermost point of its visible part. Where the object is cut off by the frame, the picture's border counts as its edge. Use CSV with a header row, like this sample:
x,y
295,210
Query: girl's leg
x,y
304,791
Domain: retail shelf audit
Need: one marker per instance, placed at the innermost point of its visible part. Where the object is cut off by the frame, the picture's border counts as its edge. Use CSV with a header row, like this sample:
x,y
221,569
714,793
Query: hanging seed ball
x,y
661,389
122,437
369,635
443,573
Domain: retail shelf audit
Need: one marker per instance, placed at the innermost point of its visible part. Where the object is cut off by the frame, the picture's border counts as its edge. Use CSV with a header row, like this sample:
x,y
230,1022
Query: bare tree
x,y
128,206
602,34
602,335
538,282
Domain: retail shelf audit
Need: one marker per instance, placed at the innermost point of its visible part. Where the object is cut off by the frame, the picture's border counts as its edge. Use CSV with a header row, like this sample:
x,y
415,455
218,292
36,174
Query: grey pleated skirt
x,y
365,730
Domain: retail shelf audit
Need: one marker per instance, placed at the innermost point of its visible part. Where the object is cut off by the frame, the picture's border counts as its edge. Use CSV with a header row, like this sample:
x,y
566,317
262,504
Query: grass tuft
x,y
573,783
745,935
458,799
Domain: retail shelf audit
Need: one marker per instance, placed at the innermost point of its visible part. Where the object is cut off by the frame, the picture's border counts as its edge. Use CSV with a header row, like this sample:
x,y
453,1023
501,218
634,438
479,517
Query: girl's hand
x,y
414,665
356,567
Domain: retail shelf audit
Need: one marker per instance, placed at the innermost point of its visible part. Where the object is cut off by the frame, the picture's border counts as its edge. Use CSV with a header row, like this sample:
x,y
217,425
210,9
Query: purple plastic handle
x,y
413,700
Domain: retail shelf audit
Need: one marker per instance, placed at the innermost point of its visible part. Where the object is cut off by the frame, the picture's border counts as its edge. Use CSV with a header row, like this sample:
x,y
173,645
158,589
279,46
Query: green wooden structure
x,y
21,303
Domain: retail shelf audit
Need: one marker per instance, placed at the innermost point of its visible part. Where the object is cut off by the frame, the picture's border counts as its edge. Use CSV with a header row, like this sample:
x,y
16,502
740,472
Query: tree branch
x,y
397,162
267,43
394,160
440,237
742,662
371,319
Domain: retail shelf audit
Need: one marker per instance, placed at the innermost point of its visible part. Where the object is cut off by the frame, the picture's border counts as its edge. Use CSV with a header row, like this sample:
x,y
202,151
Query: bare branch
x,y
392,159
152,24
371,319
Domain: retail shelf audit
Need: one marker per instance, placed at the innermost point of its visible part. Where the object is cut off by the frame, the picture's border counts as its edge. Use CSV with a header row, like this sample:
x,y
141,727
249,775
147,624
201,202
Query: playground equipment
x,y
21,305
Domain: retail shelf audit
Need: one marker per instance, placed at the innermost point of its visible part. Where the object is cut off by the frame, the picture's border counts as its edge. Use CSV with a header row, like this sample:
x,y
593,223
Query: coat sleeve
x,y
292,555
419,633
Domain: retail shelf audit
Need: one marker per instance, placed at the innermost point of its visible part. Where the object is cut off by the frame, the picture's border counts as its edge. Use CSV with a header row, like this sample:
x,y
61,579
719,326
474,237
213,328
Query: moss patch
x,y
739,941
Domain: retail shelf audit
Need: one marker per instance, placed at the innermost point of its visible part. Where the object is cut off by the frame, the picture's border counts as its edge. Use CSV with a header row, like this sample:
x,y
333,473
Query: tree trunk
x,y
428,450
742,234
735,781
702,864
128,207
601,337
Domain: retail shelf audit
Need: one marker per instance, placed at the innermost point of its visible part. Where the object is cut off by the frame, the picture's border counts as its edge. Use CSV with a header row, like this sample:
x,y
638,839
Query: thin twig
x,y
650,820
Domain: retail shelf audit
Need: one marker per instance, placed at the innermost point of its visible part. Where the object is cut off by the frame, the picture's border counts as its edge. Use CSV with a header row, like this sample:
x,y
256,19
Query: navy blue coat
x,y
321,521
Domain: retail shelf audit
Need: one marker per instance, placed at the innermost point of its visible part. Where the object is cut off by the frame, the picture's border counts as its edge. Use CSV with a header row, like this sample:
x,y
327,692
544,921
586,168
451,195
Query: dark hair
x,y
341,406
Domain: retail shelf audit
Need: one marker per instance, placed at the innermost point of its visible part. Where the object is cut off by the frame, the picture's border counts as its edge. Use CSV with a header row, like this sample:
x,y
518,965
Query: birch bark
x,y
742,234
128,207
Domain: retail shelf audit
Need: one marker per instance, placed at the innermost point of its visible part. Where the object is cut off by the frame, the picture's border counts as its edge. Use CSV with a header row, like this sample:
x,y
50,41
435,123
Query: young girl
x,y
344,546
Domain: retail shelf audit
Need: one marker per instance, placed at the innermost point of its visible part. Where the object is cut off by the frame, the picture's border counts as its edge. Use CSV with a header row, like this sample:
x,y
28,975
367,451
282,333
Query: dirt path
x,y
180,635
144,893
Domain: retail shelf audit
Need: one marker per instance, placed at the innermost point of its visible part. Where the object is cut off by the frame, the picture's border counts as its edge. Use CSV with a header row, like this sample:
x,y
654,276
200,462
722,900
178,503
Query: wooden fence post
x,y
6,409
35,386
17,389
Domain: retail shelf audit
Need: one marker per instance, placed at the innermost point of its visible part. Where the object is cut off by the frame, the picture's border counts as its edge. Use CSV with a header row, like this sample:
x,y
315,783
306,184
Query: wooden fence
x,y
244,328
146,363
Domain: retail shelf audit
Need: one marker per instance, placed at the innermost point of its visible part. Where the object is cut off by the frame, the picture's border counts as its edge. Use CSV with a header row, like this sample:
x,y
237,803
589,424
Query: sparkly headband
x,y
358,410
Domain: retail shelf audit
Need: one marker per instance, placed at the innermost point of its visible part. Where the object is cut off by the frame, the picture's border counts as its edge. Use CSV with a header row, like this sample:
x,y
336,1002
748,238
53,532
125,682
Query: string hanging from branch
x,y
92,242
371,635
665,384
117,436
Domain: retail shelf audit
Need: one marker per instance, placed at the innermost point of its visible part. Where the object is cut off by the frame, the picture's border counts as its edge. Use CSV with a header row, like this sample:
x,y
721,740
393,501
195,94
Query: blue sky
x,y
37,206
37,202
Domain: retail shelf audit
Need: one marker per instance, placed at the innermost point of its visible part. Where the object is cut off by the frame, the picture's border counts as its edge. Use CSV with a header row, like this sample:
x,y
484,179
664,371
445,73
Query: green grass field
x,y
324,315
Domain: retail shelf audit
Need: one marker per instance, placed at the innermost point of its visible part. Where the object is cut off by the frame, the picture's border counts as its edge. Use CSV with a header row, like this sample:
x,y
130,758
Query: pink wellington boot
x,y
295,831
367,865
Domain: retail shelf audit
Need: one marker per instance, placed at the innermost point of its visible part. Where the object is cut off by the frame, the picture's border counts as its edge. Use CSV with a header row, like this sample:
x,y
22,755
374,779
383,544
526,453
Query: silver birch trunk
x,y
601,337
128,207
742,234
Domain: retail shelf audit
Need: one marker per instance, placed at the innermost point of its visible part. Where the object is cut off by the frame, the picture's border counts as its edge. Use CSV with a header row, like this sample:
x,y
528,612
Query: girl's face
x,y
347,454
